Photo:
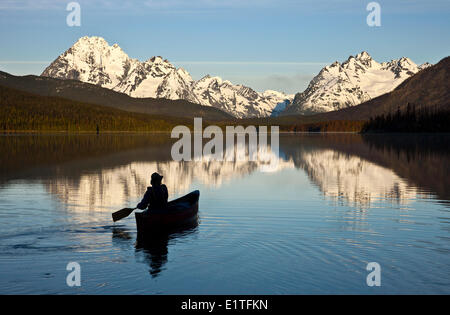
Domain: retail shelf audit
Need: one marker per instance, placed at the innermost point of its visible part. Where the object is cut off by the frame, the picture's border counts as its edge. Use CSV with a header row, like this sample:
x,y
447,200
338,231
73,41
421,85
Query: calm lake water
x,y
308,224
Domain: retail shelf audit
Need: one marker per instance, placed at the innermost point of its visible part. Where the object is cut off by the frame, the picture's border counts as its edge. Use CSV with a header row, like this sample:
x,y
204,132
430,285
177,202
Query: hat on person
x,y
156,177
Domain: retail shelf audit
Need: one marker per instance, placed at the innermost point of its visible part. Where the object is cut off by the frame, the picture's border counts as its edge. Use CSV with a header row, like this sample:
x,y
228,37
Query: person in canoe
x,y
156,196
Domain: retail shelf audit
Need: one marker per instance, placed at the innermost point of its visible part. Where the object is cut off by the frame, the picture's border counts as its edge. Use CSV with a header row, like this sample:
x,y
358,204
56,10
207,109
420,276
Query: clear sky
x,y
265,44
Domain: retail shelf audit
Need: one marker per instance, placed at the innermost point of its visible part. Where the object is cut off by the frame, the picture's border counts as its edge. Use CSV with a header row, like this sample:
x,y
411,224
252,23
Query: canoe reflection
x,y
153,247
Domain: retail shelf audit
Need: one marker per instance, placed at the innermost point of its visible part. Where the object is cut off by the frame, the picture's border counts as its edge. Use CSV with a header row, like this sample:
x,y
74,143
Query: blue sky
x,y
266,44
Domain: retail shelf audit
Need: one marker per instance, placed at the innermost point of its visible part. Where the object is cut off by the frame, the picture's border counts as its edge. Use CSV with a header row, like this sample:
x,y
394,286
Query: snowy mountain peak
x,y
425,65
333,65
272,93
92,60
91,40
364,55
157,60
361,62
405,63
356,80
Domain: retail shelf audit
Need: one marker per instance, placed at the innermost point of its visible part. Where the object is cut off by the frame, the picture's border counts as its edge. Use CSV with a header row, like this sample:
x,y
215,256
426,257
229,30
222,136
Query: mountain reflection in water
x,y
112,170
309,222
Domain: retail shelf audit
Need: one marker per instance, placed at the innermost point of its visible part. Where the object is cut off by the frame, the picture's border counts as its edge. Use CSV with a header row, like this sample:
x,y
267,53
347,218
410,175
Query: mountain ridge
x,y
85,92
429,88
22,111
350,83
93,60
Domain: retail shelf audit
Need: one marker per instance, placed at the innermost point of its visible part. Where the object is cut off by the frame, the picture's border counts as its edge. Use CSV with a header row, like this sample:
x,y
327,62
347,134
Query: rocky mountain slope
x,y
93,94
429,88
357,80
93,60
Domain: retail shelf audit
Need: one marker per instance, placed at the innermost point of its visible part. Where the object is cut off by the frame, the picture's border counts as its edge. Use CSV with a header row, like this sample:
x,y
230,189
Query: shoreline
x,y
112,132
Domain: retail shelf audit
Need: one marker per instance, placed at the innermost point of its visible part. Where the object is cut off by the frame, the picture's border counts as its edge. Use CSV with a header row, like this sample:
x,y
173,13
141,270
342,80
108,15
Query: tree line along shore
x,y
26,112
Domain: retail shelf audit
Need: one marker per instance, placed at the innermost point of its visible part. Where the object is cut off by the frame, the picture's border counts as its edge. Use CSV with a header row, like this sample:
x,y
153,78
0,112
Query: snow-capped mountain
x,y
237,98
92,60
350,83
282,100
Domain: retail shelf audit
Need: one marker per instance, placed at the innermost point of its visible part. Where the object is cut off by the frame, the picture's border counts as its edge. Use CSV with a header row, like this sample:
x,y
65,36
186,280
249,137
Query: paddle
x,y
125,212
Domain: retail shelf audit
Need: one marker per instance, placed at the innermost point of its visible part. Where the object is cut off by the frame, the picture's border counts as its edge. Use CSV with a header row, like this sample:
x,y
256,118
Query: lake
x,y
310,224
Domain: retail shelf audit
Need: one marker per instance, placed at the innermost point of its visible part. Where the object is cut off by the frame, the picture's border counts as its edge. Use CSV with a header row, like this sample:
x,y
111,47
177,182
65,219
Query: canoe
x,y
179,212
